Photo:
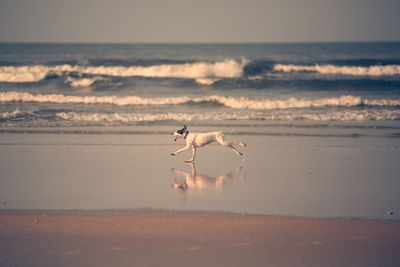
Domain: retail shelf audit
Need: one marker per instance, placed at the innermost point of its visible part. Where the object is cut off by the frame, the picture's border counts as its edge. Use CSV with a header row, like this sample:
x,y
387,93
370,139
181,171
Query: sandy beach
x,y
157,238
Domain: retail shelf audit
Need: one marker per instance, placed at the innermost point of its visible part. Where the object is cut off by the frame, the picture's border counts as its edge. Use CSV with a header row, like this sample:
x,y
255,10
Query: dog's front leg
x,y
181,150
193,155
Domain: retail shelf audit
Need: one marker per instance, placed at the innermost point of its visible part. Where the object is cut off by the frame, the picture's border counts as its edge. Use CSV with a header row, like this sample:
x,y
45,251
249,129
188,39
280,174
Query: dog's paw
x,y
173,154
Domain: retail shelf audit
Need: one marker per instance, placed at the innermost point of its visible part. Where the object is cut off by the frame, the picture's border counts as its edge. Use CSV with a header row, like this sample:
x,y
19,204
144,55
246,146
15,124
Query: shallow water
x,y
301,174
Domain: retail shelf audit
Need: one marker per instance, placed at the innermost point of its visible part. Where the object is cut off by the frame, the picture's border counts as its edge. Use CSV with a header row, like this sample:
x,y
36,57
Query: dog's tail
x,y
231,132
234,132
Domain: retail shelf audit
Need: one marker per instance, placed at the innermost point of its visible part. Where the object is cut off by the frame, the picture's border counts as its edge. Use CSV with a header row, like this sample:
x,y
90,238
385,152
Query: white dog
x,y
196,140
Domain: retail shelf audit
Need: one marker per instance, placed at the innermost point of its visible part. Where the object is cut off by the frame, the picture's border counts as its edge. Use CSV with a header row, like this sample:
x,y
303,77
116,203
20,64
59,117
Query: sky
x,y
199,21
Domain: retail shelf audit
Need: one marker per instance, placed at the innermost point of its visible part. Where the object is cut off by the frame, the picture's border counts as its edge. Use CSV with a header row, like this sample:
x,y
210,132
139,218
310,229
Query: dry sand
x,y
55,238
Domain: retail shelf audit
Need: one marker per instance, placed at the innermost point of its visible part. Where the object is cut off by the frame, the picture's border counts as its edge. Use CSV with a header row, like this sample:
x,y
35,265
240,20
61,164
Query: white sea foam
x,y
387,70
8,114
231,102
206,81
256,78
139,117
59,98
224,69
345,115
23,73
360,115
83,82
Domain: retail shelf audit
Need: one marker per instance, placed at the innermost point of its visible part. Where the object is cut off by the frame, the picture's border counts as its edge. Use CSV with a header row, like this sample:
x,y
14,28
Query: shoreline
x,y
156,238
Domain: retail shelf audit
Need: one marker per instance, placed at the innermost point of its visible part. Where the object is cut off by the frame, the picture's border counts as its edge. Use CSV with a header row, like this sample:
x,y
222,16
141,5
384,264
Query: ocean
x,y
224,84
323,118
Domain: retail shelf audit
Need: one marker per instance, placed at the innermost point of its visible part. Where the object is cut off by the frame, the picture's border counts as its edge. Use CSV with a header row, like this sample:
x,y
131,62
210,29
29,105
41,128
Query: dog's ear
x,y
184,127
181,131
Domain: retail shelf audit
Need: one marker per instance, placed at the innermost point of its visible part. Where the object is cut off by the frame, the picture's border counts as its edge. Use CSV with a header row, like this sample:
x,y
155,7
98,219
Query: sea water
x,y
319,101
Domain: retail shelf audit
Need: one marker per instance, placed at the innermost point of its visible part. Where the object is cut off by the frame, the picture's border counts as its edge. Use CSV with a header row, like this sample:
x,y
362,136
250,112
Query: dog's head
x,y
181,133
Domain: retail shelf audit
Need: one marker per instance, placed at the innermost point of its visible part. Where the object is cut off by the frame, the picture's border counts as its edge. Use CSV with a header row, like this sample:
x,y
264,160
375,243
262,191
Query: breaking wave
x,y
377,70
70,118
228,68
361,115
204,73
207,81
230,102
83,82
12,114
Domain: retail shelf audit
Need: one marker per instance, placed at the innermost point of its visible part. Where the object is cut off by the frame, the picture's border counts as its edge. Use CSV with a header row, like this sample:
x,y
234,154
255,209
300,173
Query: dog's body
x,y
197,140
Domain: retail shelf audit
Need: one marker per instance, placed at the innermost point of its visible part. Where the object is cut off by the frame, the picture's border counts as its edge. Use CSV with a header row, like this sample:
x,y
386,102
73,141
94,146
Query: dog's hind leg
x,y
238,143
235,150
220,139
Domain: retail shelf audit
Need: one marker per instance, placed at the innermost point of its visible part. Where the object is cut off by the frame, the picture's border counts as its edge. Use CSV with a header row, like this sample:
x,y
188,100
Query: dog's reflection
x,y
194,181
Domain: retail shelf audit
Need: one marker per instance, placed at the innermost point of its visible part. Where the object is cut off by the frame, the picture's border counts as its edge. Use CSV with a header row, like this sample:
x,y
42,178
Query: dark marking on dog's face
x,y
182,131
179,133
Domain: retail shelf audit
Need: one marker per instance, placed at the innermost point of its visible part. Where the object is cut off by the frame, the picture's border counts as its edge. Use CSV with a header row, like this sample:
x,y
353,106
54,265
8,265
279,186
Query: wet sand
x,y
56,238
285,175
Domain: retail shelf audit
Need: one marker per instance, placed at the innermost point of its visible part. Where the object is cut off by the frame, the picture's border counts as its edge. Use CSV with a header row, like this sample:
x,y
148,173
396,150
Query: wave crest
x,y
360,115
12,114
83,82
207,81
117,118
230,102
388,70
228,68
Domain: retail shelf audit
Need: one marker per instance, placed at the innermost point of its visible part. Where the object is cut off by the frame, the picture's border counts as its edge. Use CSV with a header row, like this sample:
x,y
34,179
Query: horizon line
x,y
197,43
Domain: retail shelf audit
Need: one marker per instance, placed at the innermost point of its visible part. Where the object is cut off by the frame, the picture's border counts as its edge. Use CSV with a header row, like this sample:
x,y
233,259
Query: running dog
x,y
197,140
